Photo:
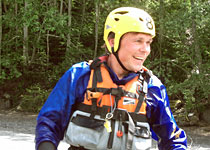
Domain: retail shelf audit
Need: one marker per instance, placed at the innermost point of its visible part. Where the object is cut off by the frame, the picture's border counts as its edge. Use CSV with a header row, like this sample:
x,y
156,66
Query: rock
x,y
205,116
186,119
193,120
19,108
5,104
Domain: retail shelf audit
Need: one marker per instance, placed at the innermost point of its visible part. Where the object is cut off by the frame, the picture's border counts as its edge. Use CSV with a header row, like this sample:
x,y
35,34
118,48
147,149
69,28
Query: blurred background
x,y
40,40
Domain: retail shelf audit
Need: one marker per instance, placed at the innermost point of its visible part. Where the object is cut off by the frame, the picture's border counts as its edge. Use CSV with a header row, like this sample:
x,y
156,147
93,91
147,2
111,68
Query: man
x,y
114,102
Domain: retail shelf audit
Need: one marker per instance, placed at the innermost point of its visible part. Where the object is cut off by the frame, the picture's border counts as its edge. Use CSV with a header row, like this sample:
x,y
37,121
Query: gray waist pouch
x,y
90,133
86,132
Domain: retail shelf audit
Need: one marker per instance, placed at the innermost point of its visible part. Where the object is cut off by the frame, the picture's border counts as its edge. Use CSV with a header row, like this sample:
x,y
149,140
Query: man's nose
x,y
145,47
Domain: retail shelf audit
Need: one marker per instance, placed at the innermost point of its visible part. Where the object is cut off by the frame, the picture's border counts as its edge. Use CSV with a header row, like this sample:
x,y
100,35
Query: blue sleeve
x,y
162,122
55,113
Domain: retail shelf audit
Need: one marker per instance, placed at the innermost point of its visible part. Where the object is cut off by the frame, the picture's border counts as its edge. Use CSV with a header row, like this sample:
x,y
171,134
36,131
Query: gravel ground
x,y
18,122
17,132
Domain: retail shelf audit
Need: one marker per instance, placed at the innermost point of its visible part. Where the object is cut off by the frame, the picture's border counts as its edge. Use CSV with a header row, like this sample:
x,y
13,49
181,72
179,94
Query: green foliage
x,y
178,51
10,64
34,98
195,91
175,57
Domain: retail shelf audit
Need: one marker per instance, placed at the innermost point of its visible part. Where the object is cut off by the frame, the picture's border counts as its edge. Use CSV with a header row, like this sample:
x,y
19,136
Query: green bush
x,y
33,99
195,92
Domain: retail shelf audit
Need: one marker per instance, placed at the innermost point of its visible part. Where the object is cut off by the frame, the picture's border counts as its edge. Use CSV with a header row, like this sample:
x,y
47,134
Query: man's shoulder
x,y
81,65
77,70
154,81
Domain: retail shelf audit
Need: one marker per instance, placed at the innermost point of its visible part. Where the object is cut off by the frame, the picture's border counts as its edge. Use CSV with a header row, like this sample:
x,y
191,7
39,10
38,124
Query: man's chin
x,y
137,69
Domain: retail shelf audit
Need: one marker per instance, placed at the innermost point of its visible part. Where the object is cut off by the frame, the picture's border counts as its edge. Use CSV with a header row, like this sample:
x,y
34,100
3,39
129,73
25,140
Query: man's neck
x,y
115,66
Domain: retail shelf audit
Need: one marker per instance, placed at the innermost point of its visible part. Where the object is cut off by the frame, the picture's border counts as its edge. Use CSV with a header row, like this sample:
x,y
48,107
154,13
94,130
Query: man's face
x,y
134,49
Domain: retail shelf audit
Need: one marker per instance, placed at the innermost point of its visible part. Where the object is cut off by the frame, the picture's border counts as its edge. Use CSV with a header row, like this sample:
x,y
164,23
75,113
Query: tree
x,y
68,43
25,37
97,2
196,47
60,33
82,20
61,7
0,35
161,32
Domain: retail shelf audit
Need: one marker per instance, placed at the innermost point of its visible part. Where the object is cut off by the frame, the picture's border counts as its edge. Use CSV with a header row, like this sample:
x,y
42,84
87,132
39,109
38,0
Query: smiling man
x,y
133,51
114,102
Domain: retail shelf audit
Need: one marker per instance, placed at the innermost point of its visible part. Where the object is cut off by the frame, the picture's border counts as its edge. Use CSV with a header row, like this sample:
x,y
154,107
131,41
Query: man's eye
x,y
139,41
149,42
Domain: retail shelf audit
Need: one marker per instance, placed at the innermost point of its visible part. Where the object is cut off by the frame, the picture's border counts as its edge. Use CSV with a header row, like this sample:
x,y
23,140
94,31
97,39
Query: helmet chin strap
x,y
117,57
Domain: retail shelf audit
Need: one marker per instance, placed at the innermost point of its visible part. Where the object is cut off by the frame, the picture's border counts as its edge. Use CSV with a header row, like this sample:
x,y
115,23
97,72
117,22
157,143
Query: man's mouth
x,y
139,58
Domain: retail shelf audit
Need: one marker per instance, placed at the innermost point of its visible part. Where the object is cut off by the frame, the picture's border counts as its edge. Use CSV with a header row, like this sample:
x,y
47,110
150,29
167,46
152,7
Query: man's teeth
x,y
140,58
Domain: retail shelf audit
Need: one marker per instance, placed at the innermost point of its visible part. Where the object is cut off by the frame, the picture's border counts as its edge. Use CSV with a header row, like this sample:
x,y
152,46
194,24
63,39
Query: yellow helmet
x,y
127,19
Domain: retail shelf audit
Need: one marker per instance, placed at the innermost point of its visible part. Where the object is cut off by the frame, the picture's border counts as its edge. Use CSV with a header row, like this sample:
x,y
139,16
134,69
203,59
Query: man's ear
x,y
111,42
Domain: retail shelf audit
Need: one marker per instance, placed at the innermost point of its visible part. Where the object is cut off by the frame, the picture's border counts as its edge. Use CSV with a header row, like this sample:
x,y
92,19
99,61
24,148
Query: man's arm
x,y
162,122
54,116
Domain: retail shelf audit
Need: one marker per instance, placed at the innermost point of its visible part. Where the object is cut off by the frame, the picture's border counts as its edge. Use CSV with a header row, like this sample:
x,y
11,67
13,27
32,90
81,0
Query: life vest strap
x,y
94,108
142,88
97,77
97,73
95,92
141,99
111,135
118,113
85,121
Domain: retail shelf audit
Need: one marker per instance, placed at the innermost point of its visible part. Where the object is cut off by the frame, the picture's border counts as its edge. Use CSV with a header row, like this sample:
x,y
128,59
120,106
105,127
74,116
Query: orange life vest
x,y
105,92
120,109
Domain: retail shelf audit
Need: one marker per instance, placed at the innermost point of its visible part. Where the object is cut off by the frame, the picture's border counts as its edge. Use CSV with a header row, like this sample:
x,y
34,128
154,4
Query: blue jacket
x,y
53,118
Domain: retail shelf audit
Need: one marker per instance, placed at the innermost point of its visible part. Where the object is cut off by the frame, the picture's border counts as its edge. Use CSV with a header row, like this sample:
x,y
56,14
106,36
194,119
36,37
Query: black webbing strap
x,y
142,88
96,77
85,121
118,60
117,92
131,130
114,92
140,101
111,135
95,65
102,111
93,107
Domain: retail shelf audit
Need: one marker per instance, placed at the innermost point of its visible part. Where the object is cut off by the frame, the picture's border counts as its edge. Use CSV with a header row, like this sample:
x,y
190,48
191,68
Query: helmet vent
x,y
122,12
141,19
116,19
